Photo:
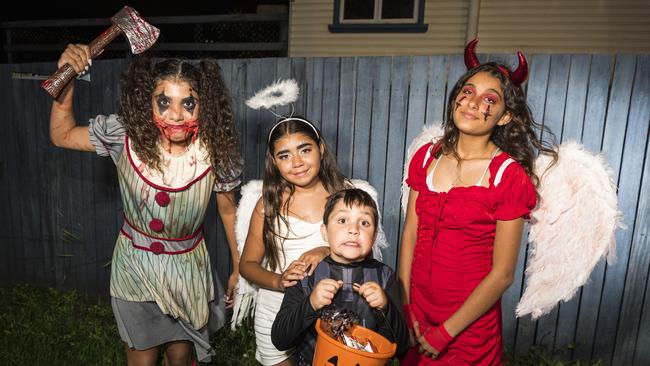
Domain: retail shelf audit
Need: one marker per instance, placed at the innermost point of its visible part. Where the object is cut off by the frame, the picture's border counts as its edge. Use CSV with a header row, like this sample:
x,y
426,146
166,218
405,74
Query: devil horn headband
x,y
518,76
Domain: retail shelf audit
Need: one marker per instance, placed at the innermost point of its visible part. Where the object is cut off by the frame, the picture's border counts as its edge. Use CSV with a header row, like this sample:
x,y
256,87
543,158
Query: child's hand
x,y
312,257
233,282
373,293
324,292
294,273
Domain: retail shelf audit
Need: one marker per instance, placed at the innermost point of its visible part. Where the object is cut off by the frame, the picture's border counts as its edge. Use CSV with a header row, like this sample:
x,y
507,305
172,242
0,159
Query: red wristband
x,y
408,316
438,337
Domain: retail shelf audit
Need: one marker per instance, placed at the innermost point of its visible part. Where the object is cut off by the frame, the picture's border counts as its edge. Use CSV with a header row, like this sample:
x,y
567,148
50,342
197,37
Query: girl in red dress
x,y
470,193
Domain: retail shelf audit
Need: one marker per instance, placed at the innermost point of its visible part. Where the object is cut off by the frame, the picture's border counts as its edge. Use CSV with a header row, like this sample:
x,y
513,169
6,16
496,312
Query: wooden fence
x,y
62,209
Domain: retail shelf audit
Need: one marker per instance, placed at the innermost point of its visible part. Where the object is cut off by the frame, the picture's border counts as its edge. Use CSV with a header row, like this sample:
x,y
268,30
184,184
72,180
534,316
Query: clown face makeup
x,y
175,112
480,106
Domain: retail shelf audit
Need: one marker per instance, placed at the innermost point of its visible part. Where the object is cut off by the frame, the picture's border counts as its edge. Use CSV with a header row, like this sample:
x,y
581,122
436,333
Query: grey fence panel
x,y
362,118
638,256
592,138
616,132
313,94
394,158
635,313
346,120
436,89
417,97
379,128
298,72
62,208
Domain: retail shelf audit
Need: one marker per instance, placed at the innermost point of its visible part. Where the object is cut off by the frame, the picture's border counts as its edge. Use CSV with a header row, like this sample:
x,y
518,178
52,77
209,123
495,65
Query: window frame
x,y
378,25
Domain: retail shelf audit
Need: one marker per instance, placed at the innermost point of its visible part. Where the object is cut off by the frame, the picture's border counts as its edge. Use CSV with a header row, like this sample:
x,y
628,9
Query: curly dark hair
x,y
518,138
274,186
216,123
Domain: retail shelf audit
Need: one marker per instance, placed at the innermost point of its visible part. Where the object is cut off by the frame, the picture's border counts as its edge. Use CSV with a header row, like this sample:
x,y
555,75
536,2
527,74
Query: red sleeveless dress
x,y
453,253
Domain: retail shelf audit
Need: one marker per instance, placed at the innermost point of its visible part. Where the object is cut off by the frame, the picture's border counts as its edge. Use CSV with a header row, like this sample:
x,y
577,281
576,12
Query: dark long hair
x,y
216,126
274,186
518,138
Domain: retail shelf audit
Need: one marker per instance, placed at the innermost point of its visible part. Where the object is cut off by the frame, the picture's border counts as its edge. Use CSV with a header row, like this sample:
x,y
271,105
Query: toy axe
x,y
140,34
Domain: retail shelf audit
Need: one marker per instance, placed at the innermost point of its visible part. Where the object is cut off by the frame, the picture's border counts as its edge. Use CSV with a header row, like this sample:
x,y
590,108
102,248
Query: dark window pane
x,y
358,9
398,9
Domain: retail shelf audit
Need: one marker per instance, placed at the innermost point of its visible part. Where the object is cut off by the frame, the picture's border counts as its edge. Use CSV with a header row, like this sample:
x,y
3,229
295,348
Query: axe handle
x,y
57,81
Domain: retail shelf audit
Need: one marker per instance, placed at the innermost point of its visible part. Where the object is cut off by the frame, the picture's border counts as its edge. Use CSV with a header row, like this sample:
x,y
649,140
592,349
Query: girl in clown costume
x,y
174,143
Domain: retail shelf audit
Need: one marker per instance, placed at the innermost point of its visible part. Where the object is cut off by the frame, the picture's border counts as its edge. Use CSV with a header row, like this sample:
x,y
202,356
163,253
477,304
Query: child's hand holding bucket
x,y
373,293
324,292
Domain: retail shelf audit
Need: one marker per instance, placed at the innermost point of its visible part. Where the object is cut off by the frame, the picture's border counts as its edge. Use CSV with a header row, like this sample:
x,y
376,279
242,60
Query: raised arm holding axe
x,y
76,59
140,35
173,143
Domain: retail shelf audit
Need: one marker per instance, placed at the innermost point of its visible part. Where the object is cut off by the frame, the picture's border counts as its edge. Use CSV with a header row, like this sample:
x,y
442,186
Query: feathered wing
x,y
246,292
430,133
572,227
380,240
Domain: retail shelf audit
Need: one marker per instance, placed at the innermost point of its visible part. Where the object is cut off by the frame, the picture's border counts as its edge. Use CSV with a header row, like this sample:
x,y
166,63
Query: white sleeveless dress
x,y
302,237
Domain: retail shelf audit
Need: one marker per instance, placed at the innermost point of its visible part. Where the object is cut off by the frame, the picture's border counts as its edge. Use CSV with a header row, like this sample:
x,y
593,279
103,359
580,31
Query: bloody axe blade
x,y
140,34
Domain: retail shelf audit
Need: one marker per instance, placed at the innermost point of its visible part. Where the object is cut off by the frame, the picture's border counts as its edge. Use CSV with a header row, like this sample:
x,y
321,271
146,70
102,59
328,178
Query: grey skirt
x,y
142,325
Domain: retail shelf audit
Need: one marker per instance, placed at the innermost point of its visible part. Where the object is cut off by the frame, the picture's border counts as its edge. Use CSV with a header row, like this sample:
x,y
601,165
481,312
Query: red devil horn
x,y
471,61
521,74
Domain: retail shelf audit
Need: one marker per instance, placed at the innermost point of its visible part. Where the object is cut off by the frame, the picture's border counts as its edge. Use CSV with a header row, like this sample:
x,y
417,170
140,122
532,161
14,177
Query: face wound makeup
x,y
486,114
167,129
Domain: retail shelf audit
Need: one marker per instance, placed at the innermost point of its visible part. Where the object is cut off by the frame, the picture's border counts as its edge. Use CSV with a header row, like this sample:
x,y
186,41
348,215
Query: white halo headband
x,y
293,119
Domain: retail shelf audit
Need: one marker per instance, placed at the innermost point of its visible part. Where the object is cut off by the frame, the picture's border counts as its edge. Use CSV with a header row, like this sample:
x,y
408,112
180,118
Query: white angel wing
x,y
246,292
432,132
380,241
572,227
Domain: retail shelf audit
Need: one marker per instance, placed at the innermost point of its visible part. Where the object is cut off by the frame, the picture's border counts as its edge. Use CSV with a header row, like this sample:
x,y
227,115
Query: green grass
x,y
47,327
41,326
234,347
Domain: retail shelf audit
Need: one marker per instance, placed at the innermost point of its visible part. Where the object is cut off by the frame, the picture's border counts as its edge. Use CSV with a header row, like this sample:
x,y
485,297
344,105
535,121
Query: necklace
x,y
458,182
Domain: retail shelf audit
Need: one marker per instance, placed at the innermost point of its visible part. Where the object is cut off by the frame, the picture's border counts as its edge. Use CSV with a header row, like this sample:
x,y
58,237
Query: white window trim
x,y
377,15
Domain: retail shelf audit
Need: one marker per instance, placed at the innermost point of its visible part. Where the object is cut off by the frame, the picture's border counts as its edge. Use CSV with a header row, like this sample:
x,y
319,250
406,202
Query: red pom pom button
x,y
157,247
162,199
156,225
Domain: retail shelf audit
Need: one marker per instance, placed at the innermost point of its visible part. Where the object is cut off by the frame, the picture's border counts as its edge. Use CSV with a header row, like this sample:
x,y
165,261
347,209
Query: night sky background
x,y
75,9
32,10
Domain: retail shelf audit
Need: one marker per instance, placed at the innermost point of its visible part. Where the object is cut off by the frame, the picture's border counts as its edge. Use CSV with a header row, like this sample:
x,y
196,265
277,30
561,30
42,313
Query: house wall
x,y
532,26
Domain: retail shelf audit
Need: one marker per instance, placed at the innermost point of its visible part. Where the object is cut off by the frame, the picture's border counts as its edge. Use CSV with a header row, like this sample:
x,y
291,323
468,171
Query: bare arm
x,y
250,263
64,131
227,212
490,289
407,246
